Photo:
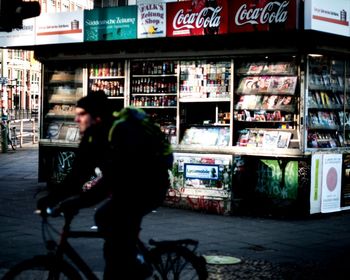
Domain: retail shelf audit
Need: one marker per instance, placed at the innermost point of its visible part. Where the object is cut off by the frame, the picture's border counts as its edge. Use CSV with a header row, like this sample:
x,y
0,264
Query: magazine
x,y
270,139
283,139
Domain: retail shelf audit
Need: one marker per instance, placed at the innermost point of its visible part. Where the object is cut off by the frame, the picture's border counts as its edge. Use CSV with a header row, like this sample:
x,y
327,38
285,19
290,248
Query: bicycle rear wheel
x,y
42,267
176,262
12,138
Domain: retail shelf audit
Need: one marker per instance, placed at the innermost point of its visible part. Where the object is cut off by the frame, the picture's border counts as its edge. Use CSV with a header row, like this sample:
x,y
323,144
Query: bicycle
x,y
160,259
12,138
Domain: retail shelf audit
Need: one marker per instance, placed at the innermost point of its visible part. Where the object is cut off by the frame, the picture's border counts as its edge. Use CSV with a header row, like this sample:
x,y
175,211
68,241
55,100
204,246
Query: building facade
x,y
20,82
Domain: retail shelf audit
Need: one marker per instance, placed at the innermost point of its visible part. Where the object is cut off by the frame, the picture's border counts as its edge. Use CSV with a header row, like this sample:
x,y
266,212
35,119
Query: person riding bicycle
x,y
134,166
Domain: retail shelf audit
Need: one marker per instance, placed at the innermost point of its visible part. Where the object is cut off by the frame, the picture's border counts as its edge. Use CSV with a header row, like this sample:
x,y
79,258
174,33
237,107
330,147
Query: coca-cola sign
x,y
201,17
263,15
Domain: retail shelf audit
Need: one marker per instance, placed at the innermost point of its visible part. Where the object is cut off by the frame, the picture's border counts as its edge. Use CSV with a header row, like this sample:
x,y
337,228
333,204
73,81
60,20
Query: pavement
x,y
312,247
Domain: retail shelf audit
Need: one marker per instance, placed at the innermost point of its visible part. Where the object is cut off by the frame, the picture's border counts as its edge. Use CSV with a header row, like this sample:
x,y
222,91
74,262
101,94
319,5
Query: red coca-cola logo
x,y
207,17
272,12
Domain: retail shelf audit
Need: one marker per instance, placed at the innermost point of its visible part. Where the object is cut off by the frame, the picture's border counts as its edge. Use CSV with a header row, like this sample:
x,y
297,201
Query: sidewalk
x,y
309,248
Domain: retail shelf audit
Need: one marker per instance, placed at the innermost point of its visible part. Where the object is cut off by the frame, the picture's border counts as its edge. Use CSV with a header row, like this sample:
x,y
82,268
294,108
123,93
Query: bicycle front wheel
x,y
42,267
173,263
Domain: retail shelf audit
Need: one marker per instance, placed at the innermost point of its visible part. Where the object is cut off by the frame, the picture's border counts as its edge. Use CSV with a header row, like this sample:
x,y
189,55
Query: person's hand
x,y
90,184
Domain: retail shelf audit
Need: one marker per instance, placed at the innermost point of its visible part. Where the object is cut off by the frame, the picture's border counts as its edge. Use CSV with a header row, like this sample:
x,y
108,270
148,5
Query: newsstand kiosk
x,y
253,96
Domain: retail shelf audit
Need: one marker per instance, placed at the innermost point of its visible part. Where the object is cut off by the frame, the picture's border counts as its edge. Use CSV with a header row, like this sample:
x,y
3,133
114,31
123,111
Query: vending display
x,y
266,104
63,87
153,87
328,119
204,100
109,76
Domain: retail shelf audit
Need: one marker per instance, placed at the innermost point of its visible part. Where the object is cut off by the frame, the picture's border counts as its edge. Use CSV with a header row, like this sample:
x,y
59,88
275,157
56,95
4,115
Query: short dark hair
x,y
96,104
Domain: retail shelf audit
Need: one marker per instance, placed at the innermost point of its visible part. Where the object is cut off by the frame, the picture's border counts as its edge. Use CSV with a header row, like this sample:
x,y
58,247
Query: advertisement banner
x,y
328,16
59,28
278,178
107,24
262,15
151,19
331,183
345,199
201,171
195,18
19,37
316,180
201,182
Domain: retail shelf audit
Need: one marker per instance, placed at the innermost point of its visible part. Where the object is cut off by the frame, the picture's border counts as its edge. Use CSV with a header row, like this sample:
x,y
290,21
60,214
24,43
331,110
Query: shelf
x,y
290,109
58,143
156,107
323,128
210,99
115,97
208,125
271,122
154,75
153,94
59,116
275,153
337,108
106,77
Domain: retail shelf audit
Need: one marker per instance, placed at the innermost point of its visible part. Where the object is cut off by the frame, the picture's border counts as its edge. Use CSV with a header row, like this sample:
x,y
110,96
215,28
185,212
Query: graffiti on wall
x,y
201,182
278,178
62,165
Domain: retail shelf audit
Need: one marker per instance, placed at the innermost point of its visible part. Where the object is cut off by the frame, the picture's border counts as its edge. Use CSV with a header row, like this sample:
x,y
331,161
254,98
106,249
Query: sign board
x,y
201,171
328,16
151,19
111,24
194,18
262,15
326,183
59,28
20,37
331,182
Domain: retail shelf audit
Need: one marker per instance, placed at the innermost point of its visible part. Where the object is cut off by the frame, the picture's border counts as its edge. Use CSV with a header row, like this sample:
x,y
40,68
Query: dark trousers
x,y
121,226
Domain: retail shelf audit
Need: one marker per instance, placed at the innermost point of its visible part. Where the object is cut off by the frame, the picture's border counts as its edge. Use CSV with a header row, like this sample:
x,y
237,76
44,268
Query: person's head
x,y
91,109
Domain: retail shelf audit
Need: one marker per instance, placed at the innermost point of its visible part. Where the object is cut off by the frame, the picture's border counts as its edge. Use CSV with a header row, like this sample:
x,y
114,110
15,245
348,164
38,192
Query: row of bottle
x,y
153,85
154,68
108,69
111,88
153,101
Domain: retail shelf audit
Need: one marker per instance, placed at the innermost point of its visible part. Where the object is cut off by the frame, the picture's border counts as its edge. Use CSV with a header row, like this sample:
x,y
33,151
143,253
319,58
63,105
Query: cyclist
x,y
130,172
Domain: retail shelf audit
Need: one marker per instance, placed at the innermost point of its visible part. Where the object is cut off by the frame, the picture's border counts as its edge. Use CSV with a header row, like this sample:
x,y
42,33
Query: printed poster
x,y
59,28
151,19
107,24
328,16
331,183
20,37
316,180
345,202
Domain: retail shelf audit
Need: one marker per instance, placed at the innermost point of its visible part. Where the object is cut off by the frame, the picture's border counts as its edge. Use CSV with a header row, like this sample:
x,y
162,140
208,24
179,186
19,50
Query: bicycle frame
x,y
161,259
63,248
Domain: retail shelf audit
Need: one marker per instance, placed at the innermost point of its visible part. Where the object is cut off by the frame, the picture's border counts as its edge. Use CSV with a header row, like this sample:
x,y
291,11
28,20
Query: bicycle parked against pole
x,y
12,139
159,260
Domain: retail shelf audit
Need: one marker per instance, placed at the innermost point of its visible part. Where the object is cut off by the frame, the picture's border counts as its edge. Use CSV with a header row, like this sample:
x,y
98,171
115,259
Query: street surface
x,y
316,247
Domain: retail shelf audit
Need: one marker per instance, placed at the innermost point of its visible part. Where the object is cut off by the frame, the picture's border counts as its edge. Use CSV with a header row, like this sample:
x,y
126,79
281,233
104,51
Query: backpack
x,y
141,143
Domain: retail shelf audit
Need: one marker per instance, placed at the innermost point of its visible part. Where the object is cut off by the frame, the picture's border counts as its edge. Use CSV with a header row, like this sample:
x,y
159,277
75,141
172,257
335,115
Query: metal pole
x,y
3,115
4,136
